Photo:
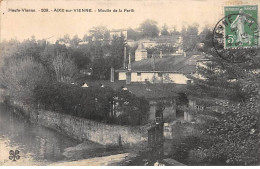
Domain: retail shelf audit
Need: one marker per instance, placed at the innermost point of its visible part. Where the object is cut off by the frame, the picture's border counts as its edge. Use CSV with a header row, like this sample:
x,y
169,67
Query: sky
x,y
22,25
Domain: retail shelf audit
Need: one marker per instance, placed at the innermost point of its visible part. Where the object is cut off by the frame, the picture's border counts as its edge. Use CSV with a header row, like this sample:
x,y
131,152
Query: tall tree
x,y
75,41
117,52
20,76
190,37
64,68
133,34
65,39
81,56
164,30
149,29
100,33
174,31
100,68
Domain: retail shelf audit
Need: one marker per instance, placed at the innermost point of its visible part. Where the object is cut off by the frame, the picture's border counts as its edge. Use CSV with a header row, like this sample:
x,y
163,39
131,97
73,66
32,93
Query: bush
x,y
187,146
198,156
93,103
133,110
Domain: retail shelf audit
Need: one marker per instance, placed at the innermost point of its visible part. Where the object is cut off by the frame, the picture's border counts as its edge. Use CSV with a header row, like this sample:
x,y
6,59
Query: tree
x,y
8,48
190,37
174,31
117,52
235,135
86,38
20,76
100,33
112,56
164,30
65,39
132,110
206,38
149,29
236,132
100,69
75,41
81,57
133,34
64,68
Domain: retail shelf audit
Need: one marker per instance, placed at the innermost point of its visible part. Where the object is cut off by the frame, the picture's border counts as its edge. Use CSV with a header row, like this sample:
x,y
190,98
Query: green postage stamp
x,y
241,27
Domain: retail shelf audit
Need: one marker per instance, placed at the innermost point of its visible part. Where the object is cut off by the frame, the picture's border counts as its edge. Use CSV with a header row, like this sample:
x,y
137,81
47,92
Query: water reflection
x,y
37,145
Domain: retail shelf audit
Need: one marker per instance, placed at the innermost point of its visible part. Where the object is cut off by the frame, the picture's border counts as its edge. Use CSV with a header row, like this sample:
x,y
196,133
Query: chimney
x,y
128,77
128,73
124,61
161,53
153,62
112,75
129,62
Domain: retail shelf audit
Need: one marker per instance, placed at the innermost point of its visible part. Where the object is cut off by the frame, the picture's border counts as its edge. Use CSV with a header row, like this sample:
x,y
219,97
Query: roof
x,y
156,91
141,47
170,64
162,39
118,30
149,91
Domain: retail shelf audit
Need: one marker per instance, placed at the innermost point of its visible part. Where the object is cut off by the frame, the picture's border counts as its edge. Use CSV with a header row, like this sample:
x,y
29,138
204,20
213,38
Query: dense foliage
x,y
235,131
190,37
96,103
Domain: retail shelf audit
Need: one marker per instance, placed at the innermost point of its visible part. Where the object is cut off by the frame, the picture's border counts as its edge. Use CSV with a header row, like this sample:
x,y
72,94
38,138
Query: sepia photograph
x,y
129,83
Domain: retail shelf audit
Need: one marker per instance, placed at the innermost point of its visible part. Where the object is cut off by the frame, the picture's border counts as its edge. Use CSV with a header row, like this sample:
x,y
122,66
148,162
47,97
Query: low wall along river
x,y
84,129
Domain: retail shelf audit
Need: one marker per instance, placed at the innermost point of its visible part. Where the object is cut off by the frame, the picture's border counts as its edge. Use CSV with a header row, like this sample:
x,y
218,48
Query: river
x,y
37,145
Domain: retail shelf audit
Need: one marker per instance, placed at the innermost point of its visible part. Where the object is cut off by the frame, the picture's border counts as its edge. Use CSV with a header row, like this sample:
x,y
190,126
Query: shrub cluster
x,y
96,103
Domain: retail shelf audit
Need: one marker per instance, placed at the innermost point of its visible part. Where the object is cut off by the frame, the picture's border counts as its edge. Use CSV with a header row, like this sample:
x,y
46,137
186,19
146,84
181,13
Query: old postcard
x,y
129,83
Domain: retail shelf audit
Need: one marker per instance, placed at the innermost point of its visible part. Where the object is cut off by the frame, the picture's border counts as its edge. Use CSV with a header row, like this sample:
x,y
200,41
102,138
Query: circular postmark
x,y
236,37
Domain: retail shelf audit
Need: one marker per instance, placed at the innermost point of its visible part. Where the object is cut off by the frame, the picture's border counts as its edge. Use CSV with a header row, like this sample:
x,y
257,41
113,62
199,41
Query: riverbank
x,y
110,160
87,149
97,140
37,145
49,147
82,129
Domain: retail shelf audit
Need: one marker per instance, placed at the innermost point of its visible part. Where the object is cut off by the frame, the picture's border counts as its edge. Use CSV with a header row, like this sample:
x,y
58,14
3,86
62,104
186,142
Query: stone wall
x,y
84,129
81,129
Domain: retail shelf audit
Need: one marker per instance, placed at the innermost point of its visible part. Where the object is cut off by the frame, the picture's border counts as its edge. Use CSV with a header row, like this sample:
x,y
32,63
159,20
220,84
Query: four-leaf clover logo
x,y
14,155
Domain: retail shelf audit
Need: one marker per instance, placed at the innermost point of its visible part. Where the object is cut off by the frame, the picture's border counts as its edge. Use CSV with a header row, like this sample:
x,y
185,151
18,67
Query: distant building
x,y
108,35
140,53
118,32
175,41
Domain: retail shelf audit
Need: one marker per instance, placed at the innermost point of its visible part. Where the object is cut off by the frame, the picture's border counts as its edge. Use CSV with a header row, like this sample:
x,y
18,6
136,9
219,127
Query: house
x,y
175,41
107,35
118,33
173,69
161,97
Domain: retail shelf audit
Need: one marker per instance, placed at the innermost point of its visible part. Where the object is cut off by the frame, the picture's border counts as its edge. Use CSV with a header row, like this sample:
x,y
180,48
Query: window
x,y
138,73
188,81
160,74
